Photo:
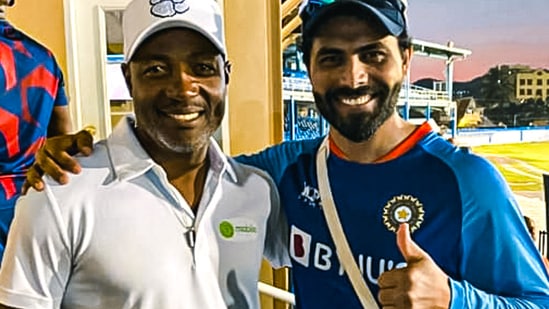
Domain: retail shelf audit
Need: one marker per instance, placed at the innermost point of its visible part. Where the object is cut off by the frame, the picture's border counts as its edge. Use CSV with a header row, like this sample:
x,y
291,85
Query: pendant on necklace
x,y
190,236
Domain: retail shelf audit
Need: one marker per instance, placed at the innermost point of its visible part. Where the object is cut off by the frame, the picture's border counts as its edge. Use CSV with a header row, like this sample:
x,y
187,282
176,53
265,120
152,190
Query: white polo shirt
x,y
117,236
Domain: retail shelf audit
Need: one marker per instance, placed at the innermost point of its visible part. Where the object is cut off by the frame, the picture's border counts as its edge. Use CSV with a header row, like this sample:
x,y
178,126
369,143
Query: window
x,y
522,82
529,82
529,92
538,93
522,92
540,82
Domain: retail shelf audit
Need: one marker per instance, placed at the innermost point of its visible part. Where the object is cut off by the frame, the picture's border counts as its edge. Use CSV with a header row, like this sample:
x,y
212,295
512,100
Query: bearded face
x,y
177,82
356,70
359,125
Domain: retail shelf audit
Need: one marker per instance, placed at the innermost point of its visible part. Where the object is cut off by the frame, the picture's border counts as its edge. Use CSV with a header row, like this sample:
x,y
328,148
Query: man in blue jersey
x,y
159,216
390,181
33,106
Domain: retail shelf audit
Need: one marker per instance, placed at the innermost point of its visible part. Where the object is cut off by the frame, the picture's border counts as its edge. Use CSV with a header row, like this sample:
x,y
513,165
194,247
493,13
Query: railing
x,y
420,93
296,84
487,136
299,89
304,128
416,93
542,243
543,236
277,293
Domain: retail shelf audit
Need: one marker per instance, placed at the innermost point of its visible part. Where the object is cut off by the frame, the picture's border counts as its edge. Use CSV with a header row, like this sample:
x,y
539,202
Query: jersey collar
x,y
406,145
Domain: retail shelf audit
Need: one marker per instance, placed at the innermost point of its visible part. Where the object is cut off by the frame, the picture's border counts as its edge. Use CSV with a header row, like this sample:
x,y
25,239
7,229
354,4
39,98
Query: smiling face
x,y
178,84
356,71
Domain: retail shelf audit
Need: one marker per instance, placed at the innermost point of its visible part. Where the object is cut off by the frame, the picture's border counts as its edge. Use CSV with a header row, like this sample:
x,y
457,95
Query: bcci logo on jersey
x,y
403,209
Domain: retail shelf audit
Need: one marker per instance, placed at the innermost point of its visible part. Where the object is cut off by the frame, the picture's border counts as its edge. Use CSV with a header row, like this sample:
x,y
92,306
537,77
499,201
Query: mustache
x,y
335,93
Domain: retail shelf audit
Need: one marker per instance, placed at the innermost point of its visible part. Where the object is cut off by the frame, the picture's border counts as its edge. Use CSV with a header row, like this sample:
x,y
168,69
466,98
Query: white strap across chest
x,y
336,231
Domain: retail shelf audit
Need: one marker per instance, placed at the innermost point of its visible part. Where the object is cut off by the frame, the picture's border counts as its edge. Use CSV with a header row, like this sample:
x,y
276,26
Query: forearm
x,y
60,122
465,295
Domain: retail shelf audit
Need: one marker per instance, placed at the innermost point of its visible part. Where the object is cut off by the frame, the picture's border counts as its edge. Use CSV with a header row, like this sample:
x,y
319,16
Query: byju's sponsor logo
x,y
310,195
300,244
308,253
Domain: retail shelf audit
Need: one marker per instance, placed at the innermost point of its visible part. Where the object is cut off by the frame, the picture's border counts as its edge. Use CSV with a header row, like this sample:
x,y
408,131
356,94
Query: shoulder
x,y
294,148
276,160
96,170
480,184
38,51
465,164
283,154
79,199
245,172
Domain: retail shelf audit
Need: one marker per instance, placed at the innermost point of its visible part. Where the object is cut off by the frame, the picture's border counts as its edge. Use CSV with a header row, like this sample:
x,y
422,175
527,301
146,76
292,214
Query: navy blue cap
x,y
390,13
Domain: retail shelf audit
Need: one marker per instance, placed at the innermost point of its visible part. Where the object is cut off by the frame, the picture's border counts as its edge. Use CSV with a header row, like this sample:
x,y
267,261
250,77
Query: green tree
x,y
498,85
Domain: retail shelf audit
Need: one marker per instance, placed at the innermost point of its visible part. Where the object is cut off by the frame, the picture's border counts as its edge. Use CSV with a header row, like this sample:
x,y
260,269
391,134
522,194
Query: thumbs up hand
x,y
421,284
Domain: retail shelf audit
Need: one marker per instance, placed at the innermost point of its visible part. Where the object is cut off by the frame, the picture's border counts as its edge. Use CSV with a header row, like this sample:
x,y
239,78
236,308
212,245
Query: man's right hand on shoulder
x,y
55,159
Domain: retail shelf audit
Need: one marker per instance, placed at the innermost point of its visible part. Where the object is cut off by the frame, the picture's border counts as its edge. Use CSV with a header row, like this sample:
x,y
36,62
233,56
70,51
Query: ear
x,y
407,59
125,67
227,69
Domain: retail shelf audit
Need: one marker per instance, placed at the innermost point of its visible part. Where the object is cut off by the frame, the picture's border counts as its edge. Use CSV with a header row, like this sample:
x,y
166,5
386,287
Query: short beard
x,y
151,129
358,127
183,147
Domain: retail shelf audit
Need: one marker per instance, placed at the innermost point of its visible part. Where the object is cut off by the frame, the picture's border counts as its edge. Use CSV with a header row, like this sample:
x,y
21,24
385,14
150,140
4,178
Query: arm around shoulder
x,y
55,158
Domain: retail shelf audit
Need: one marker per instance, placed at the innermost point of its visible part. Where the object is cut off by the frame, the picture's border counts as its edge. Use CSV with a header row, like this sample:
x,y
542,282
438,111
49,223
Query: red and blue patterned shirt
x,y
31,85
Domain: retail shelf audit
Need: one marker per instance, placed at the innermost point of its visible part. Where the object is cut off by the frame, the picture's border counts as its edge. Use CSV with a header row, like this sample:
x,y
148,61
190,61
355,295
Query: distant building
x,y
532,84
469,115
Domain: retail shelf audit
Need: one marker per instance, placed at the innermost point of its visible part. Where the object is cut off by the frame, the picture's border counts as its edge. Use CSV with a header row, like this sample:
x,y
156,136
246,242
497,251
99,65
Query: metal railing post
x,y
546,189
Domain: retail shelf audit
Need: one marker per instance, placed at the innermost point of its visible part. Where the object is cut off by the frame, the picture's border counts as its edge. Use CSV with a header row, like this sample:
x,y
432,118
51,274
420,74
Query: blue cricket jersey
x,y
464,216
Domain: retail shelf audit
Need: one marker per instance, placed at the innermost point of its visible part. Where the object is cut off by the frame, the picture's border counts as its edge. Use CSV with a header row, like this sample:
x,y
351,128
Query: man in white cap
x,y
159,216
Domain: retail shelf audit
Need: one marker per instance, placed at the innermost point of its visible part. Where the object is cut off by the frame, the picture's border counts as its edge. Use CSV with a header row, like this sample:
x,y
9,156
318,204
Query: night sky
x,y
496,31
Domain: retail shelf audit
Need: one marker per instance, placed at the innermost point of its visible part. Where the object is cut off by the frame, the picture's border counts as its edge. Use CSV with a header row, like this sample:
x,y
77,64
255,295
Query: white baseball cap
x,y
143,18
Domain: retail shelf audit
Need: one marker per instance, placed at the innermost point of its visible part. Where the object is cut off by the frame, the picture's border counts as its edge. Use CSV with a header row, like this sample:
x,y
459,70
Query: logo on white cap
x,y
168,8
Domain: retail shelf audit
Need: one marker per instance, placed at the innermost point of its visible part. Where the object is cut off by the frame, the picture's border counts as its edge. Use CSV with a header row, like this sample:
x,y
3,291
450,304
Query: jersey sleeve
x,y
37,260
275,159
501,266
276,238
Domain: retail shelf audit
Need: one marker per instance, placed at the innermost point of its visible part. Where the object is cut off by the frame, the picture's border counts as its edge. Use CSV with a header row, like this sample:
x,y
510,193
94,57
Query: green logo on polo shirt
x,y
238,229
226,229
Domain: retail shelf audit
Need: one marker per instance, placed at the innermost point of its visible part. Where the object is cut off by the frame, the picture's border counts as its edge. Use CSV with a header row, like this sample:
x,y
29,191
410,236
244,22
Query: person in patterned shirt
x,y
33,106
